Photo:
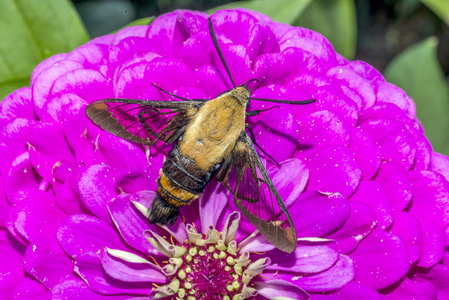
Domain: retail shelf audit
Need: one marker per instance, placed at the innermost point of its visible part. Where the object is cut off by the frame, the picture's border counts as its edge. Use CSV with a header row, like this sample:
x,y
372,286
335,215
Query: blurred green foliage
x,y
418,72
31,31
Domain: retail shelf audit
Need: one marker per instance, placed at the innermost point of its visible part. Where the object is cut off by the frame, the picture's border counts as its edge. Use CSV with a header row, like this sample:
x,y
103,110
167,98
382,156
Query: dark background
x,y
384,27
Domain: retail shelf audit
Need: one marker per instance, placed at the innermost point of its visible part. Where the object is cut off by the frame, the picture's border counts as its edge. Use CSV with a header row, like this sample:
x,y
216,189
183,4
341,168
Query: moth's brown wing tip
x,y
94,108
98,112
290,241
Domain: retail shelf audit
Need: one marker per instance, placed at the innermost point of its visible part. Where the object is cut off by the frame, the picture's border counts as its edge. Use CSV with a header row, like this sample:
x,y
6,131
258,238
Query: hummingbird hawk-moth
x,y
211,139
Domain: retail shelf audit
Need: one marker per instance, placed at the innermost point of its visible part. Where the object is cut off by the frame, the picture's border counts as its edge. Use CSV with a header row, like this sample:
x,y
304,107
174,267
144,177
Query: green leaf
x,y
32,31
418,72
439,7
143,21
285,11
336,20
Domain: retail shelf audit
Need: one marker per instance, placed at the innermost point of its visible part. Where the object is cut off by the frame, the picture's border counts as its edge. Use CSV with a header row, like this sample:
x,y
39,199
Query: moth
x,y
211,139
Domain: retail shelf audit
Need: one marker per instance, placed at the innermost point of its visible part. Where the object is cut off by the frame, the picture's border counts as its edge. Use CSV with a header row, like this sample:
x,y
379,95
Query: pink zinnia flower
x,y
368,196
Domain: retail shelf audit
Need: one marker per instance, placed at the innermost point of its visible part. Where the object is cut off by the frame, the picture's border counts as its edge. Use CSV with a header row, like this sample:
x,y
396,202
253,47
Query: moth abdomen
x,y
180,182
185,172
162,212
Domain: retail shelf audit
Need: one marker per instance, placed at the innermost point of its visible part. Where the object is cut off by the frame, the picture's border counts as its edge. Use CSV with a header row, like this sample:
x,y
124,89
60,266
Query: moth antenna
x,y
167,92
250,80
258,111
176,96
301,102
217,47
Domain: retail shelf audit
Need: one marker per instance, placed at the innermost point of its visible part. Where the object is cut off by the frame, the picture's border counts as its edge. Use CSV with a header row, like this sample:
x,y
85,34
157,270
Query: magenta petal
x,y
430,196
11,254
360,223
320,129
394,140
97,189
387,92
408,289
332,279
310,41
4,205
256,243
78,289
344,75
395,183
277,128
373,194
131,271
290,179
309,257
130,222
333,99
119,153
94,85
440,164
212,203
367,71
438,276
135,179
67,197
354,290
45,79
318,214
323,296
433,242
20,175
273,289
46,63
409,229
380,260
18,104
75,120
88,266
31,217
9,280
272,67
47,262
10,225
333,169
14,140
78,234
47,147
366,152
29,288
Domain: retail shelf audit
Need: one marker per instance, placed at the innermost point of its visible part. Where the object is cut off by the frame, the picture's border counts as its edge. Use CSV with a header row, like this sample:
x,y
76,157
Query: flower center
x,y
207,266
209,273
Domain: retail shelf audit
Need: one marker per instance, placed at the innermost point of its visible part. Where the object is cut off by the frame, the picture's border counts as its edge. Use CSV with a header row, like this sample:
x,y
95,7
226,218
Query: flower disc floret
x,y
209,268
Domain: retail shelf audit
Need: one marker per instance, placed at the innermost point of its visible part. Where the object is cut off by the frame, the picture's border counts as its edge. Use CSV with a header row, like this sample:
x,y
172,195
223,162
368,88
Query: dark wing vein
x,y
255,195
143,121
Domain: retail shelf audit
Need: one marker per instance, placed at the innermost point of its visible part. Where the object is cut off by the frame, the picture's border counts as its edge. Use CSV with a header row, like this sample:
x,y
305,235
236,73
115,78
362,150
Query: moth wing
x,y
255,195
143,121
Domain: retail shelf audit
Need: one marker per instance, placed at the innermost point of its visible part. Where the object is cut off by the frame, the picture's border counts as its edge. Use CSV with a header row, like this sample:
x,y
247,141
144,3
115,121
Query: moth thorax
x,y
242,94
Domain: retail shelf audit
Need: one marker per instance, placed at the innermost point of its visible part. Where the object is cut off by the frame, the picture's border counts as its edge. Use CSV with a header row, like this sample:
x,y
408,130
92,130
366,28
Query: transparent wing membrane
x,y
255,195
143,121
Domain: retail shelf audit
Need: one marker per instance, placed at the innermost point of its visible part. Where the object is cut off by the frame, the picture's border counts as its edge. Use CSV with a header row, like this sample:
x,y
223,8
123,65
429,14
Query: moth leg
x,y
258,111
253,139
225,168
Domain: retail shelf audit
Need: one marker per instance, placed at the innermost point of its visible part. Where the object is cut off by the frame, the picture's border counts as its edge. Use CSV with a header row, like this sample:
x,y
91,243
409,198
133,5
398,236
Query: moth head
x,y
242,94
